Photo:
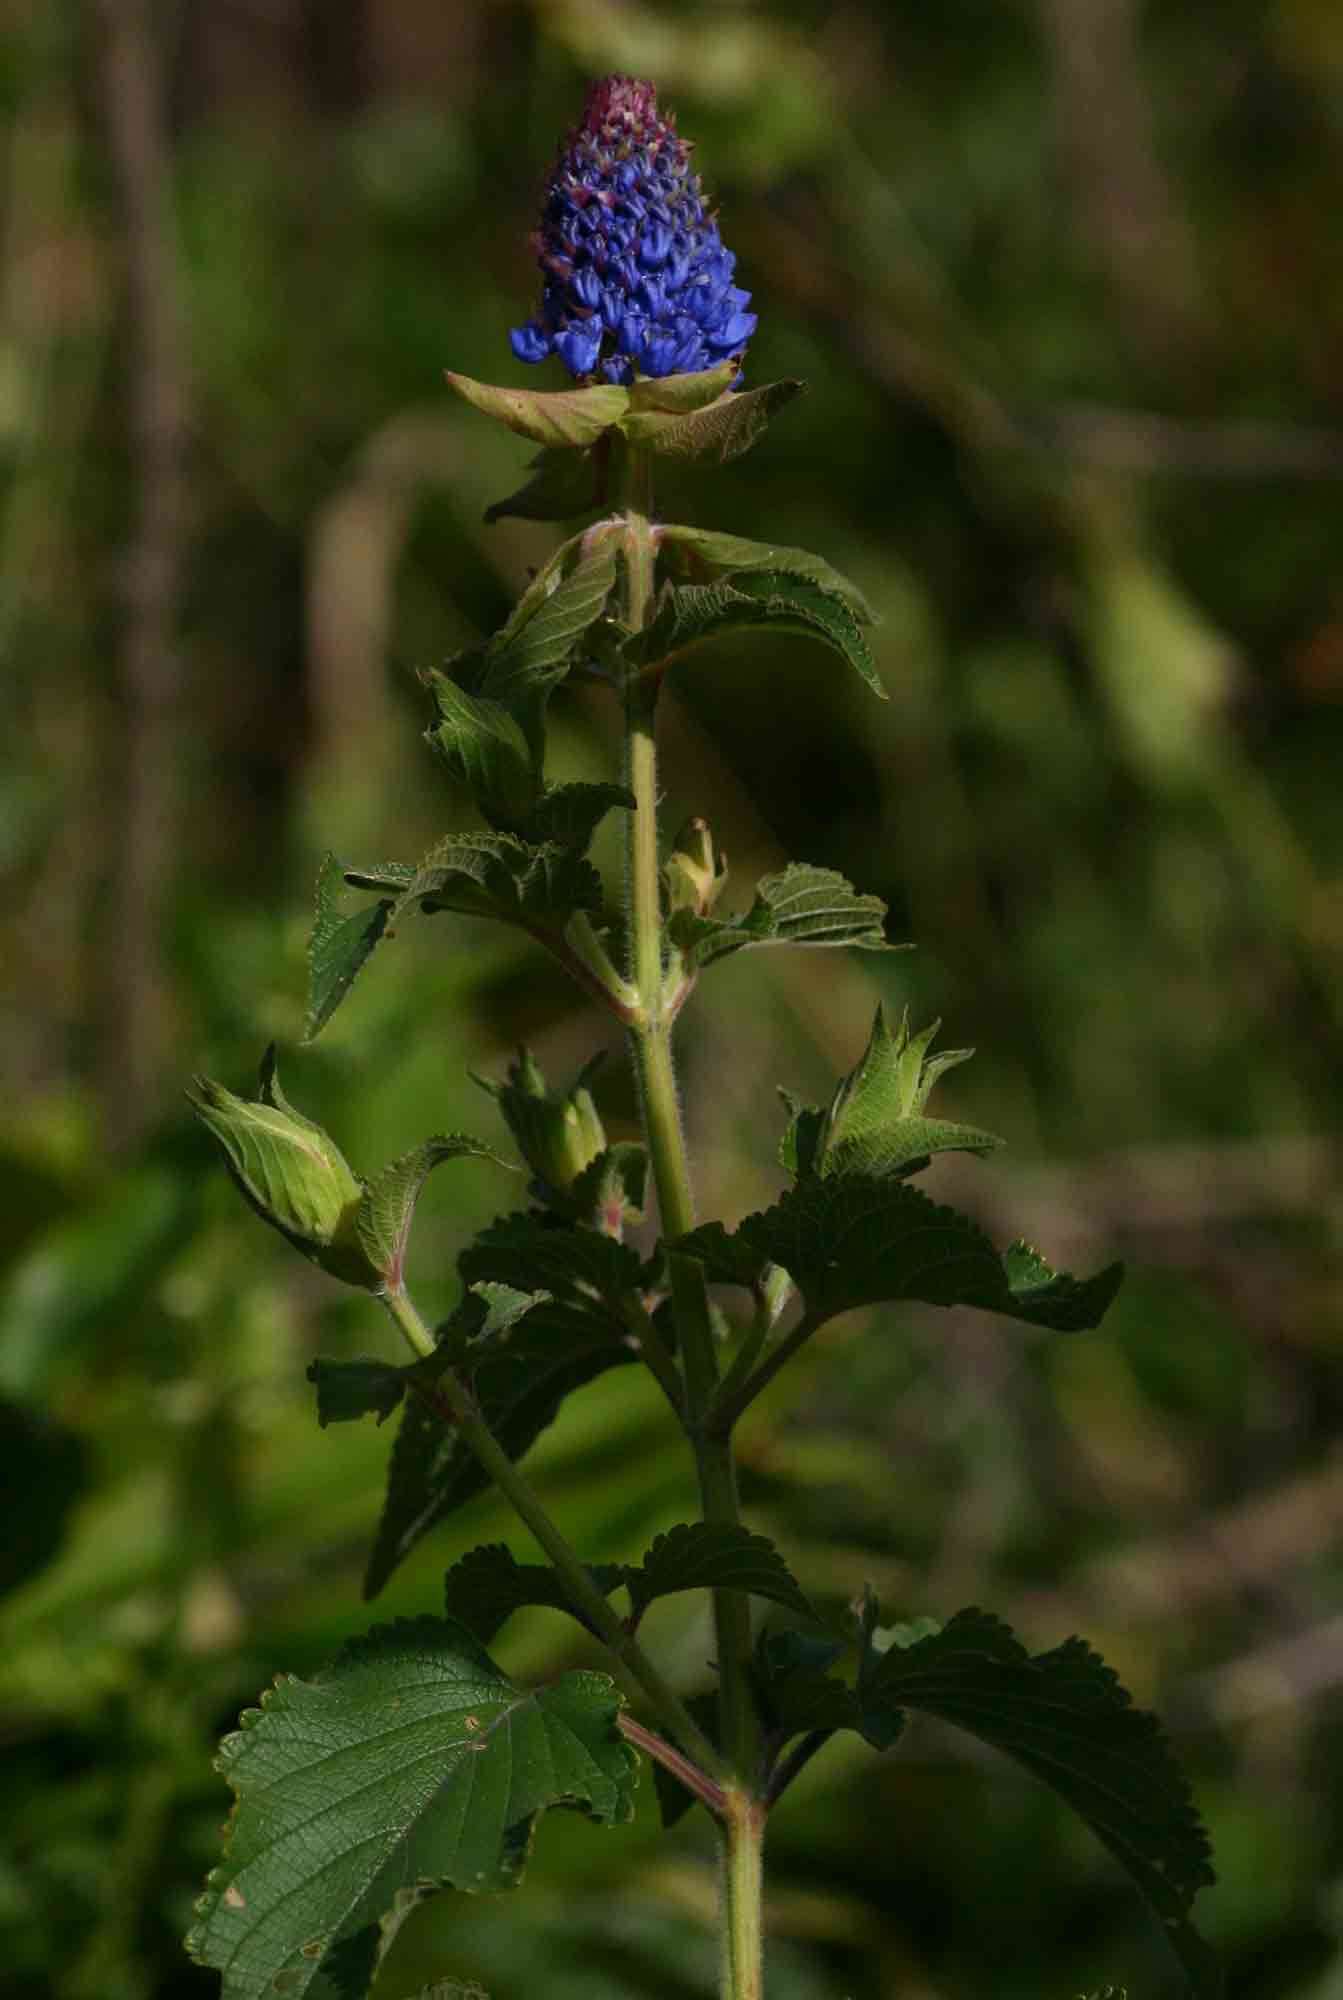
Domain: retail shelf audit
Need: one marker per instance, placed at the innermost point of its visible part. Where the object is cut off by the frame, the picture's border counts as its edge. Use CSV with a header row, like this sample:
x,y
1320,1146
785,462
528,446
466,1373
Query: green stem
x,y
650,1037
743,1837
582,1591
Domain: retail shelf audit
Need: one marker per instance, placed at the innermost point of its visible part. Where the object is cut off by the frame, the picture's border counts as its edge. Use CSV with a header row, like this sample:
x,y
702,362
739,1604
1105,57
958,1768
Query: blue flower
x,y
634,274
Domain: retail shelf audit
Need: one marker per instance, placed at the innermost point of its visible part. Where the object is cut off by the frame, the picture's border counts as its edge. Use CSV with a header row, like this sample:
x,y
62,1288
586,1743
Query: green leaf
x,y
545,1254
485,749
721,431
408,1765
536,648
488,1585
802,905
711,1555
563,485
613,1188
681,394
340,946
561,418
875,1124
348,1390
1064,1715
497,875
569,815
387,1207
858,1239
520,1374
705,554
687,615
797,1690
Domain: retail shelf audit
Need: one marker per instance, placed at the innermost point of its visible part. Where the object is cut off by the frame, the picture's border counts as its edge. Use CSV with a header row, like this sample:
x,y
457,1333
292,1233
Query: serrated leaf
x,y
712,1555
875,1124
801,905
497,875
348,1390
612,1189
339,948
683,393
560,418
555,1256
721,431
704,553
488,1585
563,485
485,749
858,1240
1064,1715
536,647
569,815
687,615
520,1376
410,1764
387,1208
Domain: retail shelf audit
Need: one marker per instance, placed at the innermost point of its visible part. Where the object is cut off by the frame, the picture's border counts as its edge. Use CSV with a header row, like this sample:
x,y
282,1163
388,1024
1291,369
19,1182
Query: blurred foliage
x,y
1064,282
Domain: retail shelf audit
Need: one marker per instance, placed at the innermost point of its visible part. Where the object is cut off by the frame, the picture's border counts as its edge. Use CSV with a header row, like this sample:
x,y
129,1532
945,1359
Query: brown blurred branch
x,y
150,672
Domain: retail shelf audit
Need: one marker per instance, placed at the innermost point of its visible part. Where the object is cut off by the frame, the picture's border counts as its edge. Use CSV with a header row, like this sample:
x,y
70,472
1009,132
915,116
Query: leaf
x,y
1064,1715
387,1207
498,875
485,749
687,615
488,1585
348,1390
536,647
875,1124
709,1555
408,1765
613,1187
859,1239
563,485
802,905
339,948
721,431
569,815
703,552
559,418
684,393
520,1375
542,1253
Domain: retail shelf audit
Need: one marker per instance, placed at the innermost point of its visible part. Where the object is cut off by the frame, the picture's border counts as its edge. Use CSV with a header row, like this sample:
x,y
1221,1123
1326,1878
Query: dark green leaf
x,y
387,1208
486,749
339,948
487,1586
569,815
563,485
408,1765
496,875
538,1252
709,1555
1064,1715
561,418
721,431
520,1376
614,1186
795,1686
347,1390
536,648
687,615
705,554
802,905
857,1240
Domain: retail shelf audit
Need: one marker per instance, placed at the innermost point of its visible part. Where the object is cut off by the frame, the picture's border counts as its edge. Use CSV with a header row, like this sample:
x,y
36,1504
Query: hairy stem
x,y
582,1591
650,1037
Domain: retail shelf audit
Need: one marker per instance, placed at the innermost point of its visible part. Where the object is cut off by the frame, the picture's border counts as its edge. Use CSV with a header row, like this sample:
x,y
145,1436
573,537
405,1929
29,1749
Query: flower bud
x,y
291,1173
695,872
634,276
558,1133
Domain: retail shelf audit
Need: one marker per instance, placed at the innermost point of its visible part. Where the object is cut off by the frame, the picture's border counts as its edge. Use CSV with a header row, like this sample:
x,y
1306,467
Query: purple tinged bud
x,y
578,349
586,289
529,343
731,338
655,246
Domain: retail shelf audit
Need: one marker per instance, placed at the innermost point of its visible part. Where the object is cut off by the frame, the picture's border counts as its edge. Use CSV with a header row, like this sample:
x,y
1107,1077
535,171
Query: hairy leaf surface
x,y
801,905
722,430
712,1555
340,945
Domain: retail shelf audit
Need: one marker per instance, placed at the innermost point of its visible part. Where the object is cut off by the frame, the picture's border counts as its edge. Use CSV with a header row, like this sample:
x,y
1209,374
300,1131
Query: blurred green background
x,y
1064,279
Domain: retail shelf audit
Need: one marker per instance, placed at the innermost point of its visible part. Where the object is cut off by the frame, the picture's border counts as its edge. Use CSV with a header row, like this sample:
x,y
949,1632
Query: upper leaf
x,y
704,554
340,945
563,485
492,875
862,1239
875,1124
1064,1715
536,1251
488,1585
687,615
408,1765
711,1555
720,431
802,905
536,647
387,1207
681,394
558,418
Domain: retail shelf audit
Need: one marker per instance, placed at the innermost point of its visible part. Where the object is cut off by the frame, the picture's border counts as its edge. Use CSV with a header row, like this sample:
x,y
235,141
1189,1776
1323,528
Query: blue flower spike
x,y
634,276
